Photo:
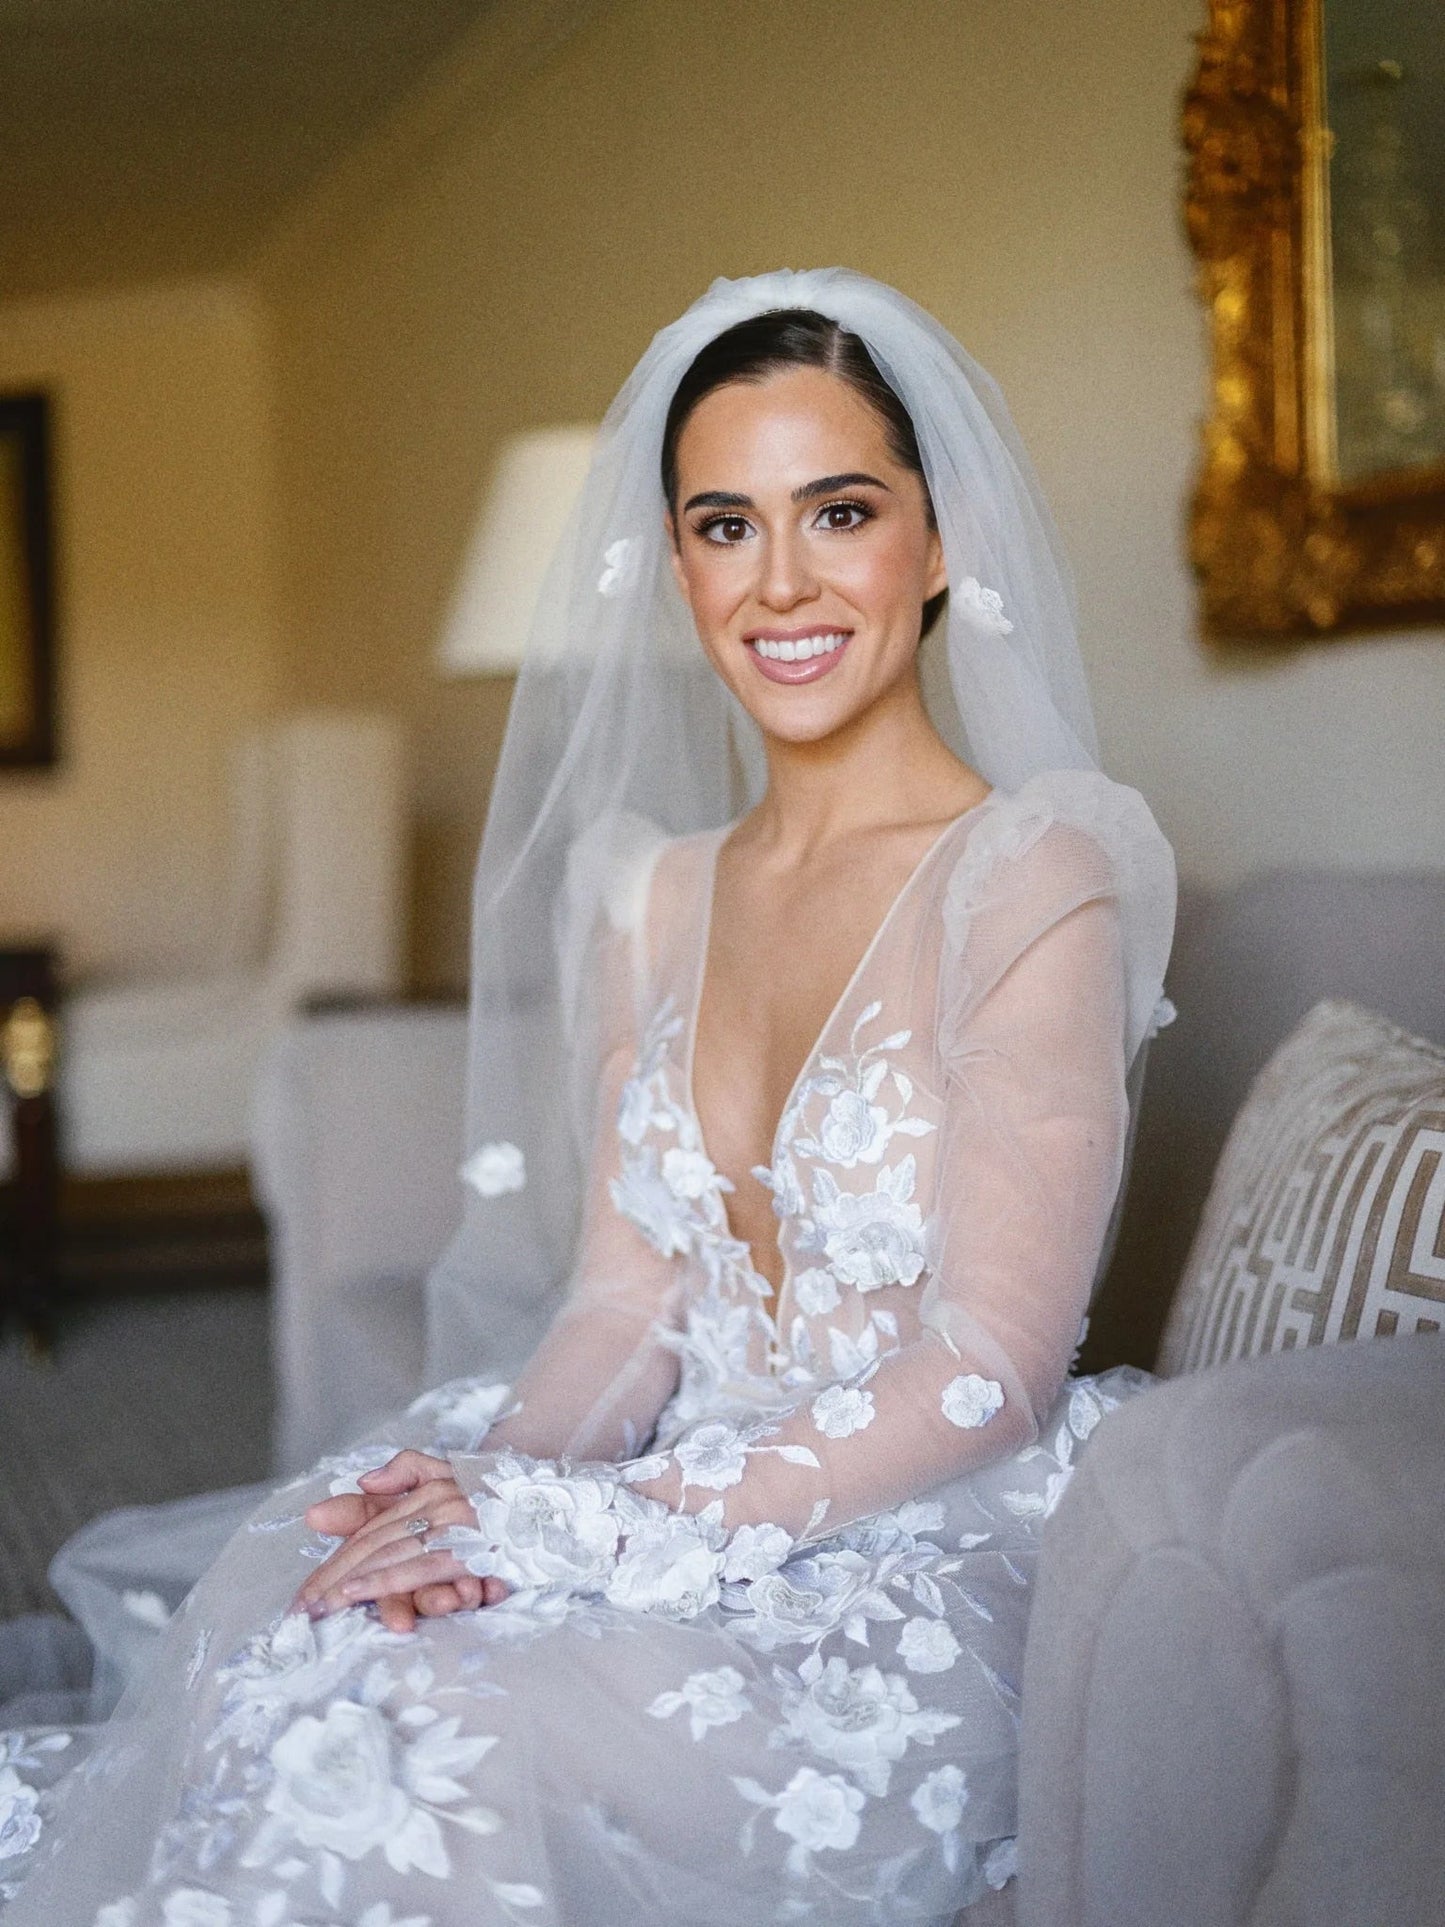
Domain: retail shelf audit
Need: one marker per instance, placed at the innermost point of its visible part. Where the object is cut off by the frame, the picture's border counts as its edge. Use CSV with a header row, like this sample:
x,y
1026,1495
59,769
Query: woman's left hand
x,y
384,1556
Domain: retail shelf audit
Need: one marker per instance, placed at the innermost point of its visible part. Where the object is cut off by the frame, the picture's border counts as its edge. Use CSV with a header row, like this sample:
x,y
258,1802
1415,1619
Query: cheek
x,y
714,587
883,577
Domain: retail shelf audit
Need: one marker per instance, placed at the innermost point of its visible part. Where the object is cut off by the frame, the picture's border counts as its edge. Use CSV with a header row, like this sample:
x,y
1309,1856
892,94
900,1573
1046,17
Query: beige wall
x,y
166,617
1014,167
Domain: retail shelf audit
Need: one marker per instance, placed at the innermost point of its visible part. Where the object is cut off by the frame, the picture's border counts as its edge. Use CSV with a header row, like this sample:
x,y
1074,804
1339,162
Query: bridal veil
x,y
617,717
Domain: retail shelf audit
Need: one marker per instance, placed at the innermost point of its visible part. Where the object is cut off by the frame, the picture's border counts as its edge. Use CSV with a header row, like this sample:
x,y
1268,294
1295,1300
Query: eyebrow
x,y
718,498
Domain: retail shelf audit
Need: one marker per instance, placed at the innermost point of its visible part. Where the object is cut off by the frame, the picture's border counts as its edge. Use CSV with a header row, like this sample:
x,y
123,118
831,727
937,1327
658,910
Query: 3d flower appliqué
x,y
619,566
816,1810
939,1799
970,1401
983,607
712,1699
19,1816
495,1169
842,1410
858,1718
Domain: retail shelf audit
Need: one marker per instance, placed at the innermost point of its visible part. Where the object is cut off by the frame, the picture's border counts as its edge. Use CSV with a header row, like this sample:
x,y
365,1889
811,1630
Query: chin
x,y
813,712
790,717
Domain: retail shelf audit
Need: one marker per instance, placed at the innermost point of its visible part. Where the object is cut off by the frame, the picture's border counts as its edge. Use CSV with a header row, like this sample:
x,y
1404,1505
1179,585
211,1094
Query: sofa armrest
x,y
356,1140
1234,1683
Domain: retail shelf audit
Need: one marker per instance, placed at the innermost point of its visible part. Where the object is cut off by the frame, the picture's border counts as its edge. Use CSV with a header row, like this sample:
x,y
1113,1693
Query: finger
x,y
430,1501
439,1504
494,1591
386,1553
407,1469
342,1514
466,1595
397,1614
423,1569
442,1503
435,1602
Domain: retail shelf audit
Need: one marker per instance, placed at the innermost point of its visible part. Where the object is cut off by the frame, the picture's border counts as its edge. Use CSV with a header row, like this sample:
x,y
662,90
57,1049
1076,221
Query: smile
x,y
795,659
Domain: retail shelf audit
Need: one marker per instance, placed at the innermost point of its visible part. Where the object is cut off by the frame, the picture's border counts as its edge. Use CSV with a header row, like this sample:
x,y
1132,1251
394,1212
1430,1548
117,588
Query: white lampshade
x,y
537,478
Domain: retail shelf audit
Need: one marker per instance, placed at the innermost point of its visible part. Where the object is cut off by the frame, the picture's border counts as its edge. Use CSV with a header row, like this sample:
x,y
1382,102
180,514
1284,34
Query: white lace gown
x,y
771,1570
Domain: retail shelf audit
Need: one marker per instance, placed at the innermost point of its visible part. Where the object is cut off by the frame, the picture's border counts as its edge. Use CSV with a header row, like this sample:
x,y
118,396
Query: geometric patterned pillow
x,y
1326,1217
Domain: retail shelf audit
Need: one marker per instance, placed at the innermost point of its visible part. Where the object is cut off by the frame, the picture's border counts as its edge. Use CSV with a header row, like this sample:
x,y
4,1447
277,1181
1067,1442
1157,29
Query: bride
x,y
814,955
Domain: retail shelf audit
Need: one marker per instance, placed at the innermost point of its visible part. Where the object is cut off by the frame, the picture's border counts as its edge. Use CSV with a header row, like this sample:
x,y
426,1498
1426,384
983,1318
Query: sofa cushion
x,y
1326,1217
1234,1683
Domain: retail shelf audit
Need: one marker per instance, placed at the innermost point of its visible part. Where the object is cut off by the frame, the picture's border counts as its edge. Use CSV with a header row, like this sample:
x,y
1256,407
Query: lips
x,y
798,658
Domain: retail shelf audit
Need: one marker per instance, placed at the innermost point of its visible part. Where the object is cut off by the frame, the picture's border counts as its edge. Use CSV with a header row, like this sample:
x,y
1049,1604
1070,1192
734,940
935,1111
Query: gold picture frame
x,y
1282,547
27,600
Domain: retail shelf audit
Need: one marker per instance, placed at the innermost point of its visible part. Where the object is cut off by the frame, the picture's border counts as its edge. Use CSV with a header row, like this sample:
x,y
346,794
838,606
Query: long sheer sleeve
x,y
603,1369
1031,1047
959,1260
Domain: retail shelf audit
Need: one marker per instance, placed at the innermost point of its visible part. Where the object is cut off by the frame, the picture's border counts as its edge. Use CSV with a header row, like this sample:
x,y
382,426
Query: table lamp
x,y
537,478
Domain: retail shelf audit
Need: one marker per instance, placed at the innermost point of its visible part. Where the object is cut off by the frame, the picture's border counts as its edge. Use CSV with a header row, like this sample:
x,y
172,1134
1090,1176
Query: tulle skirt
x,y
835,1742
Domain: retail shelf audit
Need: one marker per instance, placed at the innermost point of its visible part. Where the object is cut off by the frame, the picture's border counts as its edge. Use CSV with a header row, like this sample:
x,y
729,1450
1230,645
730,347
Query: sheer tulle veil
x,y
617,721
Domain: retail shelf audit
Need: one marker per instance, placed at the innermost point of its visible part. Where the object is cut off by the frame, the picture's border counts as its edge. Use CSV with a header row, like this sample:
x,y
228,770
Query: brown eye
x,y
725,529
843,515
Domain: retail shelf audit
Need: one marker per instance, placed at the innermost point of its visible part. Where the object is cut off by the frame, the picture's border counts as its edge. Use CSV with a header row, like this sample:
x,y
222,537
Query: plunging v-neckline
x,y
709,898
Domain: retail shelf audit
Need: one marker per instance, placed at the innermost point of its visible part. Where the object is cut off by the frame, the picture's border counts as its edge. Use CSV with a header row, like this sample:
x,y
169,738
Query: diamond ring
x,y
418,1528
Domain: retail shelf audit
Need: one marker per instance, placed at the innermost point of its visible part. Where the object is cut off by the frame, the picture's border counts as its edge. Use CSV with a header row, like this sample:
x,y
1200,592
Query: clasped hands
x,y
385,1562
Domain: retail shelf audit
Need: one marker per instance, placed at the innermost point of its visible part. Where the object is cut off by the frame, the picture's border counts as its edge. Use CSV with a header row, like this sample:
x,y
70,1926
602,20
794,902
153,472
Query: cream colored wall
x,y
166,621
1015,168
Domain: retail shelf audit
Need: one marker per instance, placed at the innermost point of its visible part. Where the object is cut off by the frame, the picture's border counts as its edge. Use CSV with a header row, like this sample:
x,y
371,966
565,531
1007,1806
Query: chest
x,y
778,957
779,950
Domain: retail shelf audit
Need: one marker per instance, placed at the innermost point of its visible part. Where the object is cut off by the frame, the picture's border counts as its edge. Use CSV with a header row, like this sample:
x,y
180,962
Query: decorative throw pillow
x,y
1326,1217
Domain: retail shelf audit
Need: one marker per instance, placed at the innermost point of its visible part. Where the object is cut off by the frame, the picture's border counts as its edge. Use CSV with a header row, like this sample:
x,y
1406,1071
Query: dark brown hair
x,y
765,344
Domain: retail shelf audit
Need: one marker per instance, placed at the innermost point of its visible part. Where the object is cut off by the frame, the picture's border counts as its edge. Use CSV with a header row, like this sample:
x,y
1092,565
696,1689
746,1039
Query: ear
x,y
937,576
674,554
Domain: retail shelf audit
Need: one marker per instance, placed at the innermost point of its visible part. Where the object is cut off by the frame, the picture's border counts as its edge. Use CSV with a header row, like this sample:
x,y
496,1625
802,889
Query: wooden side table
x,y
27,1065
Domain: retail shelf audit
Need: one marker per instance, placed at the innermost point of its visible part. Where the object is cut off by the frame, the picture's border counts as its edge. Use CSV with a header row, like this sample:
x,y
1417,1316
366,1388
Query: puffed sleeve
x,y
602,1371
1034,1034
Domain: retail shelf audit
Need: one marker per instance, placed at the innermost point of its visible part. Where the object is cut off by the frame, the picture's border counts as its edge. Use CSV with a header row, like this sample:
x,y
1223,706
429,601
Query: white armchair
x,y
158,1076
358,1133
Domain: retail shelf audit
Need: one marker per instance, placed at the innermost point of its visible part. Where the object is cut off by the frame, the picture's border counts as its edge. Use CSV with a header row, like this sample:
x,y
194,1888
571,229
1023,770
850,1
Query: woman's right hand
x,y
348,1513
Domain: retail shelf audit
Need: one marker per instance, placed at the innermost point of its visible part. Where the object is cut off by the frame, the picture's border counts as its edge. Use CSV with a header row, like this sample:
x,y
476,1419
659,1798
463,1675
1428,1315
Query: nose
x,y
786,575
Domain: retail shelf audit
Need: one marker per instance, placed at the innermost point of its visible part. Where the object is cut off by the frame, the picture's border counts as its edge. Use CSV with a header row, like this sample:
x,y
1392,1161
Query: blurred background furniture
x,y
358,1135
158,1076
1247,964
27,1075
1234,1685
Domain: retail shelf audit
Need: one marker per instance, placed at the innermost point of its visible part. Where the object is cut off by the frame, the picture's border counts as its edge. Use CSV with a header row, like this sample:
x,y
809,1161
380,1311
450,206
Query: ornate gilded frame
x,y
1279,548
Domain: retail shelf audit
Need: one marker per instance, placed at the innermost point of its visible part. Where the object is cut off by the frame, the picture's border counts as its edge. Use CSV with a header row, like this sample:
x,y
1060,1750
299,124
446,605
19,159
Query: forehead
x,y
795,418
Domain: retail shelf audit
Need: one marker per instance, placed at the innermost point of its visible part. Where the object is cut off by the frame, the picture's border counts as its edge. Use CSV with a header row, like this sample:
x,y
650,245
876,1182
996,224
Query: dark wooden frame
x,y
27,416
29,1261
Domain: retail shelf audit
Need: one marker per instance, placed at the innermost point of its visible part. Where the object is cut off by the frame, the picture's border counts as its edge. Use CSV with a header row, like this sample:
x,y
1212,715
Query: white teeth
x,y
803,650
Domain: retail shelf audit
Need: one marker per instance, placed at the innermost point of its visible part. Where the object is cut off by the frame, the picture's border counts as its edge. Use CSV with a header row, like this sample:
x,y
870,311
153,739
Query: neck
x,y
887,766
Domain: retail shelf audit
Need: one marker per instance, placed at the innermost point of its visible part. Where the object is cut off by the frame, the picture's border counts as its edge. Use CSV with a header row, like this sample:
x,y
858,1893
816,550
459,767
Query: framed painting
x,y
1315,204
27,599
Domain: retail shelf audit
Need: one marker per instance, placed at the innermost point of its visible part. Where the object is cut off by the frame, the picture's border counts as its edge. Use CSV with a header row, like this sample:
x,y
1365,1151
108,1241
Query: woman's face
x,y
803,548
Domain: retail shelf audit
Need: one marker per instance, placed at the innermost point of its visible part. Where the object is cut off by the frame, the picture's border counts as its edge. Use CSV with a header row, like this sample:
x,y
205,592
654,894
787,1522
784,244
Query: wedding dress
x,y
792,1694
770,1557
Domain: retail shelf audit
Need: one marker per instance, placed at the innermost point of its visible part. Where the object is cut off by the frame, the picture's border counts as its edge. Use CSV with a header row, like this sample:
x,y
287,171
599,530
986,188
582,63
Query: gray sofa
x,y
1233,1687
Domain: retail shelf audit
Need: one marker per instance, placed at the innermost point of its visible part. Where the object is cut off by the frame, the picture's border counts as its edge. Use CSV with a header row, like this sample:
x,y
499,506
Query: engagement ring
x,y
418,1528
